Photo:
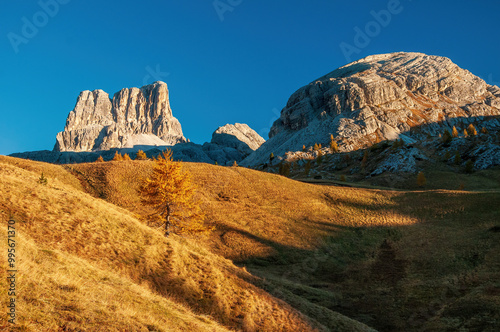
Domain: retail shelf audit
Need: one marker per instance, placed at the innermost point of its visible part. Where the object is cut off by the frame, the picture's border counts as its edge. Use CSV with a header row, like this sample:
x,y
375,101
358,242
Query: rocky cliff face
x,y
381,97
133,117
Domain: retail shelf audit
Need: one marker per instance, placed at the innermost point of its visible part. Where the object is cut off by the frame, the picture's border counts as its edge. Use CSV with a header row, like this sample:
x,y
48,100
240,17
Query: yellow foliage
x,y
141,155
171,193
117,157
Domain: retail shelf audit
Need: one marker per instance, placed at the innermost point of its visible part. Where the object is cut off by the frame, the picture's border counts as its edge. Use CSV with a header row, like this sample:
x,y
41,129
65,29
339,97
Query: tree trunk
x,y
167,222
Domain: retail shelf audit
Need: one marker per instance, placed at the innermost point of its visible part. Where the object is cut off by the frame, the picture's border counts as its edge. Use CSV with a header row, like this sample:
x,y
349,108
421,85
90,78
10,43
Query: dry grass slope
x,y
73,243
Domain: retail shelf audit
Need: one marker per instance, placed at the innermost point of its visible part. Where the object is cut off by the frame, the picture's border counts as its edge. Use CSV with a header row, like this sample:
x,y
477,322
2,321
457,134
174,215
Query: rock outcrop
x,y
229,143
133,117
381,97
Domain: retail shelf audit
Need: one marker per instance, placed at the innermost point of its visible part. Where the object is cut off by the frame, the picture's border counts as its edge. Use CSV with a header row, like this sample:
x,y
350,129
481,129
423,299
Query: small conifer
x,y
458,159
42,180
141,155
421,180
484,130
471,130
117,157
446,137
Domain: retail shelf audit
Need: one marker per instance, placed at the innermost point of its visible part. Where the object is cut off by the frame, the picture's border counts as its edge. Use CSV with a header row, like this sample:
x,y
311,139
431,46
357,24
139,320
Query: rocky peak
x,y
133,117
238,136
381,97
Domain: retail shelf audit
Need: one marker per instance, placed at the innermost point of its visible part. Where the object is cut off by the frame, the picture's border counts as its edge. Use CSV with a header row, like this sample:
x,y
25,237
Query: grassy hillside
x,y
394,260
88,265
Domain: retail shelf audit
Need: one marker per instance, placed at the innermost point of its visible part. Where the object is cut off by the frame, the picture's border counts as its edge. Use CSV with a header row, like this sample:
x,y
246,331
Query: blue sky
x,y
237,62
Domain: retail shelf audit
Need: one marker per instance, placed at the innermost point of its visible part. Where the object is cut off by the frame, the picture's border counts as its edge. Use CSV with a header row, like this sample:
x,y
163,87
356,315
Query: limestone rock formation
x,y
381,97
133,117
232,143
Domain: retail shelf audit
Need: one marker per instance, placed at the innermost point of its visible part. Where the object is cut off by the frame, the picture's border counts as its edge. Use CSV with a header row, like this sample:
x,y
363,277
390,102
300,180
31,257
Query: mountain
x,y
410,96
133,117
139,119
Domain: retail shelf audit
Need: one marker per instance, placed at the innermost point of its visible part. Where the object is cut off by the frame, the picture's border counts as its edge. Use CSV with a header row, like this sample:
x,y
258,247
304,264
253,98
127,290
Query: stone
x,y
133,117
381,97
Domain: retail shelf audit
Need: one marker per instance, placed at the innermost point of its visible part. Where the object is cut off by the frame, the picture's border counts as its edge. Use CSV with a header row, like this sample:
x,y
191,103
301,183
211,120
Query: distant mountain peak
x,y
135,116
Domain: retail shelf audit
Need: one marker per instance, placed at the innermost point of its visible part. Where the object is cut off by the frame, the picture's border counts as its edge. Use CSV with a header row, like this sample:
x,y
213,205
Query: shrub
x,y
421,180
171,193
141,155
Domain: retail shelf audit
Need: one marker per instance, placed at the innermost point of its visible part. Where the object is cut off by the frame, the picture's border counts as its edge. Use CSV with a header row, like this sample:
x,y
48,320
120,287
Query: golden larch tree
x,y
141,155
171,193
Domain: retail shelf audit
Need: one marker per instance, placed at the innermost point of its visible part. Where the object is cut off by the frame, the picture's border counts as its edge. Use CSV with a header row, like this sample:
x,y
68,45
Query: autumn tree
x,y
141,155
446,137
271,157
334,147
171,194
100,160
126,157
454,132
421,180
465,133
303,148
471,130
117,157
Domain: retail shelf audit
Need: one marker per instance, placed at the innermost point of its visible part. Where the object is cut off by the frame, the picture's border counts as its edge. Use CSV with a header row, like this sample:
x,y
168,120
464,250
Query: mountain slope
x,y
381,97
394,260
87,241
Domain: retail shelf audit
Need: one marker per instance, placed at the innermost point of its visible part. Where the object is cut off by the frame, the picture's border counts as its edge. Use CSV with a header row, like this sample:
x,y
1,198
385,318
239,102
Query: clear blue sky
x,y
239,69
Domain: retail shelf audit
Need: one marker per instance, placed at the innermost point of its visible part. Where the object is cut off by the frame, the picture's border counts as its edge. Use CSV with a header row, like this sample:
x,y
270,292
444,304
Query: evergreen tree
x,y
171,193
271,157
307,168
484,130
446,137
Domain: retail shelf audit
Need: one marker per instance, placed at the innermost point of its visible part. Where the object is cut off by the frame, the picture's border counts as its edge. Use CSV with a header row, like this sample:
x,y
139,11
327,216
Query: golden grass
x,y
385,258
61,219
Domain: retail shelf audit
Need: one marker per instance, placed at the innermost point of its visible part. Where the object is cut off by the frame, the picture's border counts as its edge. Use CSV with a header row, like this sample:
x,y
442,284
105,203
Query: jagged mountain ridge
x,y
133,117
381,97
